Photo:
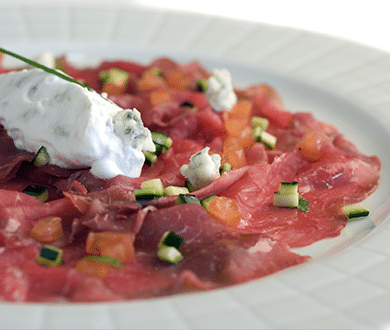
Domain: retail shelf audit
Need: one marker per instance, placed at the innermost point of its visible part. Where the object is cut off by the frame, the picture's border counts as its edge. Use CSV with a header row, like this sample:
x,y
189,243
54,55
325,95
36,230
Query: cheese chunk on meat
x,y
78,127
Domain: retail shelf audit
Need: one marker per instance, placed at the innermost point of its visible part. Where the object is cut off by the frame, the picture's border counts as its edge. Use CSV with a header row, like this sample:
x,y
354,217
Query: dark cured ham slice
x,y
190,221
11,158
21,211
23,279
236,260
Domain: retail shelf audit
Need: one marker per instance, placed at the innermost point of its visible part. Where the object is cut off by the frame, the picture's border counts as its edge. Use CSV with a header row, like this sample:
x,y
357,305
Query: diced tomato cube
x,y
225,210
47,229
111,244
93,268
160,96
233,153
151,79
178,79
312,145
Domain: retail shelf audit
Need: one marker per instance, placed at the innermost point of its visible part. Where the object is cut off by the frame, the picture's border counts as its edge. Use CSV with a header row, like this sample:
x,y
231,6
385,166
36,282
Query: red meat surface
x,y
215,255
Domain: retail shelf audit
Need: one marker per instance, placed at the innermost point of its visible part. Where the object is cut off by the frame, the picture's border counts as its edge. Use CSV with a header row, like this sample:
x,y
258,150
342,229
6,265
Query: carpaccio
x,y
215,255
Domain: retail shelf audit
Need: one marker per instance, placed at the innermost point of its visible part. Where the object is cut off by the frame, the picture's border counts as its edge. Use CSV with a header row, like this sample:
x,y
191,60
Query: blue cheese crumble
x,y
202,169
78,127
220,91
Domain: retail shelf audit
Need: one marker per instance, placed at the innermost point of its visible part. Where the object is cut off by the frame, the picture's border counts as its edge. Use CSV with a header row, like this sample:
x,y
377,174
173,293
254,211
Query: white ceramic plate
x,y
347,283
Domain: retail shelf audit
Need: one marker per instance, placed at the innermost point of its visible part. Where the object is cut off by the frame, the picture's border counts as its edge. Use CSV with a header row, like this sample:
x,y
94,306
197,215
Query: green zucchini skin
x,y
355,211
41,157
187,199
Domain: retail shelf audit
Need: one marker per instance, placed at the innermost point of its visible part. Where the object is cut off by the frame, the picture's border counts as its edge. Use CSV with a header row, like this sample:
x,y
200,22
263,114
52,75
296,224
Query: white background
x,y
364,21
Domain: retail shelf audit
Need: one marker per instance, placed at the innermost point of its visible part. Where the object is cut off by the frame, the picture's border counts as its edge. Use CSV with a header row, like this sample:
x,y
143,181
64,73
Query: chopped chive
x,y
115,262
202,85
187,104
303,204
157,71
43,67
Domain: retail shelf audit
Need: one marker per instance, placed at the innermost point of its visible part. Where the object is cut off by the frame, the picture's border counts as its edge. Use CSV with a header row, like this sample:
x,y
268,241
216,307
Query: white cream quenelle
x,y
78,127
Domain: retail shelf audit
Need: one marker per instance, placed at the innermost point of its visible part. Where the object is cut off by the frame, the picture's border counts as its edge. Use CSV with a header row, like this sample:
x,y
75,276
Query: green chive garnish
x,y
43,67
115,262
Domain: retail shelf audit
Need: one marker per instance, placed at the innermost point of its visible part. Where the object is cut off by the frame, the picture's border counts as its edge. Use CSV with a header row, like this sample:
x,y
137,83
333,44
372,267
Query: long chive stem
x,y
43,67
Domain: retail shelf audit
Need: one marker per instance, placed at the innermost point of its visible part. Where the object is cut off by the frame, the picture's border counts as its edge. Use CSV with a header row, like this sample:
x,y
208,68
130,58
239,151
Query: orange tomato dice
x,y
151,79
47,229
112,88
160,96
178,80
225,210
234,126
312,144
93,268
233,153
111,244
246,139
241,110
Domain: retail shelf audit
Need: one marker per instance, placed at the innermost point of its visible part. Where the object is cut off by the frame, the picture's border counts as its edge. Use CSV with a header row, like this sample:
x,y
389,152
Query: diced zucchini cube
x,y
355,211
187,199
50,256
41,193
115,76
205,202
150,189
225,168
268,140
263,123
189,186
283,200
286,188
171,239
150,157
41,157
162,142
173,191
169,254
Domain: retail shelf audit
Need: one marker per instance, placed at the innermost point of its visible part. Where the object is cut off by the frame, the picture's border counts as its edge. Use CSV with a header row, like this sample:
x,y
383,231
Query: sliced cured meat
x,y
214,255
21,211
11,158
236,260
328,184
190,221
